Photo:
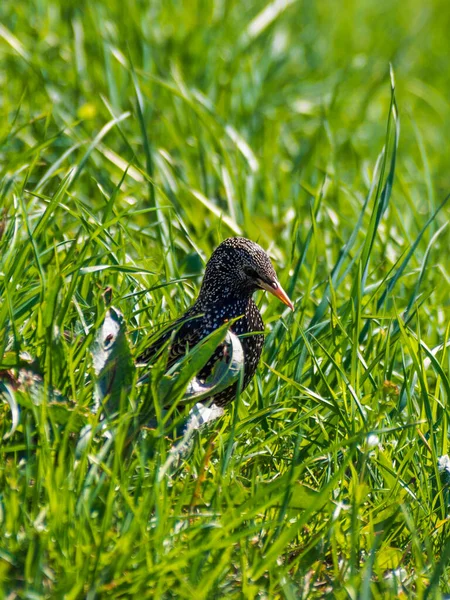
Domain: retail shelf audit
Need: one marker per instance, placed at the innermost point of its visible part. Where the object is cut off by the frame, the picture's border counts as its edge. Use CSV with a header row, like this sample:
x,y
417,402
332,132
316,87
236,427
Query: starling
x,y
237,268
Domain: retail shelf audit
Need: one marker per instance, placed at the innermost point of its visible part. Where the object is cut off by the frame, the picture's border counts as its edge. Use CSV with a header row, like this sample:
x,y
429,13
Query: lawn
x,y
135,136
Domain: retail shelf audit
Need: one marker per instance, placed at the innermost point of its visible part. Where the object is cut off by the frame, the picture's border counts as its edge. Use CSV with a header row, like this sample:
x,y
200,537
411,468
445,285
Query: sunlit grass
x,y
133,139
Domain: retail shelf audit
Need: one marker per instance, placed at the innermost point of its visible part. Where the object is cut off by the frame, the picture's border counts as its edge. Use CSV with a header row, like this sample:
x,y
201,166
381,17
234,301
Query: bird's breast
x,y
250,318
250,321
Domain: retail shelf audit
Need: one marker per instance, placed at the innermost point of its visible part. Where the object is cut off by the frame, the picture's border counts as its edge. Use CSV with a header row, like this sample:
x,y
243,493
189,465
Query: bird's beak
x,y
276,289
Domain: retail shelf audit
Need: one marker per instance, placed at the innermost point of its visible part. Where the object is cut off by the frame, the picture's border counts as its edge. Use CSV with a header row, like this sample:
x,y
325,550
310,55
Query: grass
x,y
135,137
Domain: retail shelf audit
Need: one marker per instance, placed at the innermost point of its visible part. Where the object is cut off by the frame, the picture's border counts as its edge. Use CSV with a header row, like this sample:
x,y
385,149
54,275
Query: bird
x,y
237,268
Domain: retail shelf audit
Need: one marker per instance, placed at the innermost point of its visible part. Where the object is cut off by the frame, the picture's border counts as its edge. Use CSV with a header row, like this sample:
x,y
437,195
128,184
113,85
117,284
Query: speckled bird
x,y
237,268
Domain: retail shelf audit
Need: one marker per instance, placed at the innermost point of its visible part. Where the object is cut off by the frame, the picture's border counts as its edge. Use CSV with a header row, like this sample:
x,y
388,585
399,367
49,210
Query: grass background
x,y
137,135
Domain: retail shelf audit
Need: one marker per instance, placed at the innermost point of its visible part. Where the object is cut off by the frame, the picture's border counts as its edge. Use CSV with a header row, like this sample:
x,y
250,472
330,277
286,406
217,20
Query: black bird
x,y
237,268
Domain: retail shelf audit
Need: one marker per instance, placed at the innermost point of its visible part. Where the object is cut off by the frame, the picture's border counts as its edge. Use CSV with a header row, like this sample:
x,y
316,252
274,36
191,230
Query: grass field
x,y
135,136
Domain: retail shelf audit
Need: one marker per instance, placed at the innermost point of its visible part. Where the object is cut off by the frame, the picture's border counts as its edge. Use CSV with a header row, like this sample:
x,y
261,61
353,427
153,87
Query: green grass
x,y
135,136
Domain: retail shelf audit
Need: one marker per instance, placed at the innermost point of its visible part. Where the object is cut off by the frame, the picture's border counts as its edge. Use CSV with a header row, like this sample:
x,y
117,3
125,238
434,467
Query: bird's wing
x,y
185,333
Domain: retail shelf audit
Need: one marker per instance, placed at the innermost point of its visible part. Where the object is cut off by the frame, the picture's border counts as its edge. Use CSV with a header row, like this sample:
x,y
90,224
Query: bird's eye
x,y
250,272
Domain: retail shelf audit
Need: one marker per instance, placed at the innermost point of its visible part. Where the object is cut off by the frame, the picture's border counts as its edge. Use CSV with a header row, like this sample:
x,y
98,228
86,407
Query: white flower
x,y
399,575
372,440
444,464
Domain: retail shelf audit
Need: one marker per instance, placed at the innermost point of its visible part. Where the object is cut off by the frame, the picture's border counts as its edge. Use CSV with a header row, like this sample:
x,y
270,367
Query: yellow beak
x,y
276,289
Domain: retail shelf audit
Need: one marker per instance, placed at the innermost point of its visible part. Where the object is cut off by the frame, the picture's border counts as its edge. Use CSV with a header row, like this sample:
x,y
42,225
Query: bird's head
x,y
239,267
